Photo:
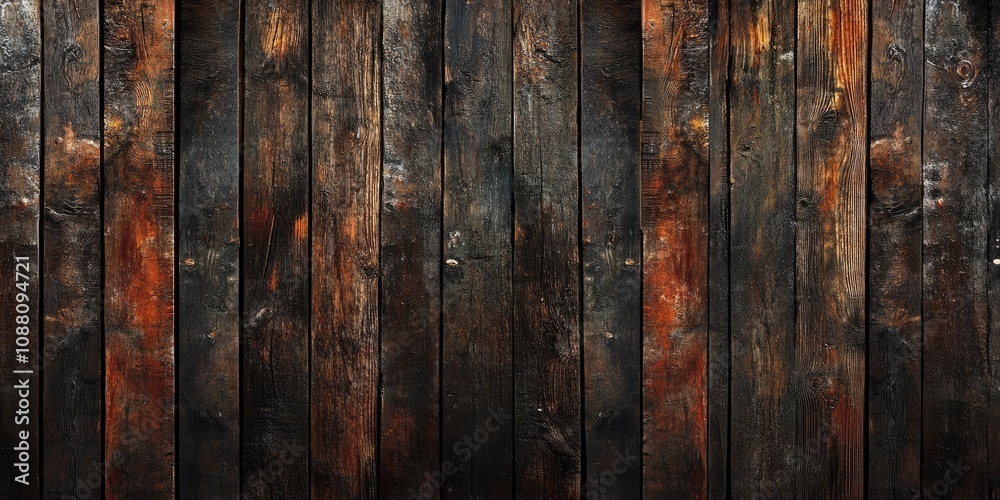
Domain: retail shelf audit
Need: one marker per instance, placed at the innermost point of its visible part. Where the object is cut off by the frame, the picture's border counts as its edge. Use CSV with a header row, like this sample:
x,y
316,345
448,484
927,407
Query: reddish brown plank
x,y
73,392
831,147
139,248
410,439
347,155
20,138
675,170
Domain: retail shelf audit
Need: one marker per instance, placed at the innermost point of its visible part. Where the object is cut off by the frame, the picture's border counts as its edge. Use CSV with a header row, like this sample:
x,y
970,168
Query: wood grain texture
x,y
993,253
546,251
611,249
412,58
208,268
894,260
719,351
139,248
20,149
762,246
275,261
477,374
955,155
831,147
73,391
346,171
675,172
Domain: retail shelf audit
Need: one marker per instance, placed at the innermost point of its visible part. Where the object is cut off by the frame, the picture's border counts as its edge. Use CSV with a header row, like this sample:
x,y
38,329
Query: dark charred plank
x,y
762,246
546,260
275,263
346,169
831,146
73,393
955,155
993,251
139,248
208,357
20,180
718,251
675,171
611,93
894,259
410,321
477,375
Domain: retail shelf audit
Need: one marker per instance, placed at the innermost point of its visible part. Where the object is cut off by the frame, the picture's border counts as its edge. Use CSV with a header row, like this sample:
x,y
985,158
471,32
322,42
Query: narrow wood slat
x,y
762,246
546,261
831,147
611,93
139,248
275,263
477,376
955,154
73,393
718,251
208,357
894,261
410,439
675,172
993,252
347,155
20,149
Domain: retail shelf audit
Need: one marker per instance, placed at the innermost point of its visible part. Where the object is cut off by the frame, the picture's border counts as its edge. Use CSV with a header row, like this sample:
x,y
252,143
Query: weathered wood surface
x,y
675,213
73,391
275,269
546,290
346,171
762,248
208,244
139,204
611,246
20,192
895,240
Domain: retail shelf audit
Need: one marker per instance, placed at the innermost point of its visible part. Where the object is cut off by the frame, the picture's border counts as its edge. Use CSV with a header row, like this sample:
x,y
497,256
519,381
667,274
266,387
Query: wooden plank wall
x,y
564,249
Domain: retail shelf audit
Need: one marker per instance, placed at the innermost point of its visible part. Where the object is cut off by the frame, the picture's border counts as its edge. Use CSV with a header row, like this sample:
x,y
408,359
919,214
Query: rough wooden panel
x,y
718,250
20,137
275,262
73,393
894,260
546,258
347,156
955,155
675,172
611,93
762,246
412,56
993,252
208,358
139,248
477,376
831,145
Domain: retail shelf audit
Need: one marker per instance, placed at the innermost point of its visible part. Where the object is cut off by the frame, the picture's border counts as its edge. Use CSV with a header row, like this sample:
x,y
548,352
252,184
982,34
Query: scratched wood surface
x,y
424,249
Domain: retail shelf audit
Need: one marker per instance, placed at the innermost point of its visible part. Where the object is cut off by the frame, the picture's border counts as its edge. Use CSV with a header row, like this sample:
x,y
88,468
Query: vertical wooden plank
x,y
139,248
73,392
347,155
895,237
275,262
477,375
831,141
208,249
546,260
412,58
993,252
719,350
610,96
20,149
762,246
955,155
675,172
